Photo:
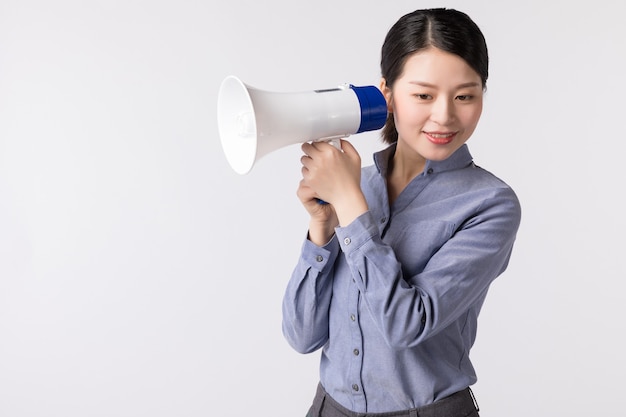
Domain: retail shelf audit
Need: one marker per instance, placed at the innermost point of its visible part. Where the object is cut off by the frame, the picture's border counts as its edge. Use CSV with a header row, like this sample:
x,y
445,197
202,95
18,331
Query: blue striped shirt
x,y
393,299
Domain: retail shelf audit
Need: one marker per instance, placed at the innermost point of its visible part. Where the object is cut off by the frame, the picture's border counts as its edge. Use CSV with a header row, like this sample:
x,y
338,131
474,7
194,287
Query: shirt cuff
x,y
318,257
357,233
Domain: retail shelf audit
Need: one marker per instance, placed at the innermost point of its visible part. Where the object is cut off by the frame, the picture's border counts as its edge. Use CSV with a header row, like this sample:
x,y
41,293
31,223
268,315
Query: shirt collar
x,y
459,159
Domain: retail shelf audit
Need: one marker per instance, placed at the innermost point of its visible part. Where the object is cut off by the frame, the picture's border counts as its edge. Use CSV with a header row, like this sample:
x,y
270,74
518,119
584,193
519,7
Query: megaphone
x,y
253,122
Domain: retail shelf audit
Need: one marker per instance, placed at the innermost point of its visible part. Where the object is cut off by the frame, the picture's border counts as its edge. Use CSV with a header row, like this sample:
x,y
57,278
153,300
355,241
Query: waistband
x,y
460,404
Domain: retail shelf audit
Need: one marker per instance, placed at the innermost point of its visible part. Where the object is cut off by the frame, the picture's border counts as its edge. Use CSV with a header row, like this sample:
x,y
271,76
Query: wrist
x,y
350,208
320,233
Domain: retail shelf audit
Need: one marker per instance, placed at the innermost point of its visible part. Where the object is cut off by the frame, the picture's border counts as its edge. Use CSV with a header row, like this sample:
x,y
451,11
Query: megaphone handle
x,y
336,142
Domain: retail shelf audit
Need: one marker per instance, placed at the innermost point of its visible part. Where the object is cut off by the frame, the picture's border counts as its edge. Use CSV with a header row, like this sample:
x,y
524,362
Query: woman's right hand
x,y
323,217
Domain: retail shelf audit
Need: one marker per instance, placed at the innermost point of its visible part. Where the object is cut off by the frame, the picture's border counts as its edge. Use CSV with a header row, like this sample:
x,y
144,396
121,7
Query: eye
x,y
464,97
423,96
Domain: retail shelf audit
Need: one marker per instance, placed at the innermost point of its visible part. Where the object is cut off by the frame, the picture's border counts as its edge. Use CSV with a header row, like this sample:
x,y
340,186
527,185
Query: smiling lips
x,y
440,138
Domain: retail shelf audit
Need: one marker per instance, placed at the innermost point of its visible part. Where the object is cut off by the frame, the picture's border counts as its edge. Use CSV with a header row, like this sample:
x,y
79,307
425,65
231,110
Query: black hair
x,y
446,29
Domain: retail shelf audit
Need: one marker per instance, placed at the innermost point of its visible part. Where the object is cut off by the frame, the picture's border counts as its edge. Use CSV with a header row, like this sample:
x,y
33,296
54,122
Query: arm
x,y
307,298
410,309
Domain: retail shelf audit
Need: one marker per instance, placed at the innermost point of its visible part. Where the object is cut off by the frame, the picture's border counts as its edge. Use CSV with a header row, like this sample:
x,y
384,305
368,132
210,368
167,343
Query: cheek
x,y
407,113
471,116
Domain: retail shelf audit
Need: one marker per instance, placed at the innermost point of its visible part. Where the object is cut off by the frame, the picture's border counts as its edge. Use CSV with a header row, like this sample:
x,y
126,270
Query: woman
x,y
396,267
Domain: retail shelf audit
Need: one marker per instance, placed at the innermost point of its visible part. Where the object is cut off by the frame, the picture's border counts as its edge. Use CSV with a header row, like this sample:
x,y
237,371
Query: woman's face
x,y
436,103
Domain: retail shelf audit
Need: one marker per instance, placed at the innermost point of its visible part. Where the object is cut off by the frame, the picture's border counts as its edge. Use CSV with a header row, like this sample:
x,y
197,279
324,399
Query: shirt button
x,y
355,387
383,220
430,171
352,317
356,352
347,241
319,258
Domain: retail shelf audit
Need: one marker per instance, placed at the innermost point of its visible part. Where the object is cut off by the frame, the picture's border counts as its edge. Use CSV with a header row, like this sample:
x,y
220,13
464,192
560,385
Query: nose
x,y
442,111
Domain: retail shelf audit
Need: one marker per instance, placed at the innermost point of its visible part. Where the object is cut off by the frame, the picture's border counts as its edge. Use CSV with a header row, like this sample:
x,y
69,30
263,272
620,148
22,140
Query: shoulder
x,y
496,194
476,190
474,178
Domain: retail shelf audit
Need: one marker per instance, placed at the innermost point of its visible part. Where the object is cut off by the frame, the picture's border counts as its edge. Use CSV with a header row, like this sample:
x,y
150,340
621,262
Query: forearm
x,y
307,298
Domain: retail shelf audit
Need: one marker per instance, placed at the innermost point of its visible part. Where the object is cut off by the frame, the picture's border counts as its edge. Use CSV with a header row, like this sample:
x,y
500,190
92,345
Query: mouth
x,y
440,138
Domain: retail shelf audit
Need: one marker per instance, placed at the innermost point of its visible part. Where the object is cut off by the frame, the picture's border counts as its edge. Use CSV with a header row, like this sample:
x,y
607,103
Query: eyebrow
x,y
429,85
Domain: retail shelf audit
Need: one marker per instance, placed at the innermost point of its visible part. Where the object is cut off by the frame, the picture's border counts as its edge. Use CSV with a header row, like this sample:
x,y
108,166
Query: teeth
x,y
441,135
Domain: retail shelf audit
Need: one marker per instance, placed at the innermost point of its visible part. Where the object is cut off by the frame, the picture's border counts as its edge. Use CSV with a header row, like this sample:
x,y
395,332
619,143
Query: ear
x,y
386,90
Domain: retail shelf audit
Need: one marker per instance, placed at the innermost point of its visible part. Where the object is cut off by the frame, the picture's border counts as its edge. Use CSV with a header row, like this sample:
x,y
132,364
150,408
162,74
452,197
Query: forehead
x,y
438,67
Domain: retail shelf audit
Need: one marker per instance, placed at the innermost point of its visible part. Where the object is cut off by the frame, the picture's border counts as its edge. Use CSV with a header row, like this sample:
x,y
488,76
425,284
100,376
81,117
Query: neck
x,y
406,163
403,167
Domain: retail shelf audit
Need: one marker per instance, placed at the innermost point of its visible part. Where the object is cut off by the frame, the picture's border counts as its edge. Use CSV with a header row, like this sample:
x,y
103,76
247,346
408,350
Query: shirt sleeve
x,y
409,309
306,301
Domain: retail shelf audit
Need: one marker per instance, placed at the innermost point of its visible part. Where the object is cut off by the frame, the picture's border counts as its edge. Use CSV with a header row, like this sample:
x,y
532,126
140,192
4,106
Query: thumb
x,y
350,150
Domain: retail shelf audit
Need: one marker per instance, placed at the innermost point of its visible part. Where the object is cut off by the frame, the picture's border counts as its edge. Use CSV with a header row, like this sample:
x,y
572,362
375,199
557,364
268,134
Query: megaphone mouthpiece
x,y
254,122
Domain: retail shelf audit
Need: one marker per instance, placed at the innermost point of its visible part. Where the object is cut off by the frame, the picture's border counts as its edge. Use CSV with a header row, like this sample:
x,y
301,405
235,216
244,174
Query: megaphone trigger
x,y
335,141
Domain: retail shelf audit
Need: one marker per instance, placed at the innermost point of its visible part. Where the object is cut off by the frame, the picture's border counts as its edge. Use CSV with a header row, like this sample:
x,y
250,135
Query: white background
x,y
140,276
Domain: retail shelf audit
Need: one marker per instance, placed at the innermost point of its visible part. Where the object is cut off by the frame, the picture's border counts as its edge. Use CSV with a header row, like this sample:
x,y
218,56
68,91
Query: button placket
x,y
356,365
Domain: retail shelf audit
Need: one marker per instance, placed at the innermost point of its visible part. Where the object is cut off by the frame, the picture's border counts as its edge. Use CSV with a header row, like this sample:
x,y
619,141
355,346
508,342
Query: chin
x,y
439,153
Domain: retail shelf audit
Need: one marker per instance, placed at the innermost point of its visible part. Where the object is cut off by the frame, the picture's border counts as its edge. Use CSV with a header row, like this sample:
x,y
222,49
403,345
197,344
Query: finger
x,y
313,148
307,148
305,193
347,147
324,146
350,150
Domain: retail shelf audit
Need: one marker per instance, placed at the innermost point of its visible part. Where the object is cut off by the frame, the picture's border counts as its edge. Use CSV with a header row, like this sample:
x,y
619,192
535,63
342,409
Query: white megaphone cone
x,y
253,123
